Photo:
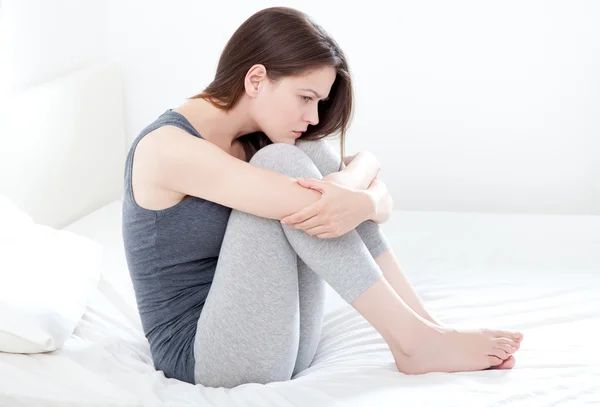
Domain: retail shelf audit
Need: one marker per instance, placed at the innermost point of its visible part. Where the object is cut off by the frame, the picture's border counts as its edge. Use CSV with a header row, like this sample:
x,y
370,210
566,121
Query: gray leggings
x,y
262,318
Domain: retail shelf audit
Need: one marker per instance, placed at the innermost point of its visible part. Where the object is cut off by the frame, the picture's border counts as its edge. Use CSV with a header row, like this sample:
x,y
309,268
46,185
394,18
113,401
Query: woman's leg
x,y
311,286
327,161
249,328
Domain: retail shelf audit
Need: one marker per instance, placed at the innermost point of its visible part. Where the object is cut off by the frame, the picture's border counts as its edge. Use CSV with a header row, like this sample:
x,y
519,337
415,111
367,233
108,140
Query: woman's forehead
x,y
320,81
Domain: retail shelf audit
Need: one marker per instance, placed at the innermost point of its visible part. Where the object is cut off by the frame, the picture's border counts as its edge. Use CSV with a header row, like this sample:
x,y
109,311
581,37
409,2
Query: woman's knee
x,y
322,154
373,237
286,159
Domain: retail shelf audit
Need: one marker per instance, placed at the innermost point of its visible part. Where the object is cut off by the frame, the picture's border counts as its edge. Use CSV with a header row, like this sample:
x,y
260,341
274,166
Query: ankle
x,y
409,339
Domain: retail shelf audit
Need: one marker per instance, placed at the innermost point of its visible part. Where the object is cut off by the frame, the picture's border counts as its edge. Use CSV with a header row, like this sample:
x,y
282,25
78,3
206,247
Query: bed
x,y
536,273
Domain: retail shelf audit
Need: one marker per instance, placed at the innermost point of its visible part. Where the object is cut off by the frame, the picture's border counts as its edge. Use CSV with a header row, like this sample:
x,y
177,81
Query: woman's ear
x,y
255,79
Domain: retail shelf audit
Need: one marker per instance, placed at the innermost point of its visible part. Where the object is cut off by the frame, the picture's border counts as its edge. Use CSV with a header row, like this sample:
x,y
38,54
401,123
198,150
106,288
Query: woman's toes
x,y
515,336
506,348
494,360
508,345
507,364
501,353
507,341
499,334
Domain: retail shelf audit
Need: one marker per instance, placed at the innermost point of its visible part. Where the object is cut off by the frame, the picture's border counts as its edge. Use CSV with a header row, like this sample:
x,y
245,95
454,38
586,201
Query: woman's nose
x,y
312,117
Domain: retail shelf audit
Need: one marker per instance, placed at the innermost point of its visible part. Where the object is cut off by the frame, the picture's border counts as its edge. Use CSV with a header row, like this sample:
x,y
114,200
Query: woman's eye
x,y
306,98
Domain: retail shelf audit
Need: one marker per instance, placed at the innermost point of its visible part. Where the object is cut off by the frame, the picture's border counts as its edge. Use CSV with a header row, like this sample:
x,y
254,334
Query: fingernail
x,y
284,222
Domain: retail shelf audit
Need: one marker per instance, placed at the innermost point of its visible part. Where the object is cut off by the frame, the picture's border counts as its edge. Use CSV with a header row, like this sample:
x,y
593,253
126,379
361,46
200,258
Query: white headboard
x,y
63,146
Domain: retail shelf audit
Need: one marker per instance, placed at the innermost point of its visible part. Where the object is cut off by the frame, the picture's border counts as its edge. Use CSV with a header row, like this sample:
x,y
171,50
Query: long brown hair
x,y
288,43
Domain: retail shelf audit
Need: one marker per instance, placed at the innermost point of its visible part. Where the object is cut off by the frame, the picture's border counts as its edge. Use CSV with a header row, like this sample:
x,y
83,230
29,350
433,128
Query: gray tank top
x,y
171,255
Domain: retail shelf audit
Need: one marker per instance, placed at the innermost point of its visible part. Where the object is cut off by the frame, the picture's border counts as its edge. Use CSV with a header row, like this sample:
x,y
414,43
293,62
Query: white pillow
x,y
46,278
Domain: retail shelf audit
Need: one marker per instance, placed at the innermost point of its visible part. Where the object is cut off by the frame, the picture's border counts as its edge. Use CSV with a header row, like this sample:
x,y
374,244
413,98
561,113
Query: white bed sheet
x,y
536,273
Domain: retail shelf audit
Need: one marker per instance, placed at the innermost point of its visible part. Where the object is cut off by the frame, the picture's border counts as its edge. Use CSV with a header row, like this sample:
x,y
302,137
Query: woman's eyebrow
x,y
316,94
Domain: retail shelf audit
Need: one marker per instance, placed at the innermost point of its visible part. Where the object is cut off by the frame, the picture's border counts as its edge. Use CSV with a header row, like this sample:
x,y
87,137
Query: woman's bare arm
x,y
193,166
363,169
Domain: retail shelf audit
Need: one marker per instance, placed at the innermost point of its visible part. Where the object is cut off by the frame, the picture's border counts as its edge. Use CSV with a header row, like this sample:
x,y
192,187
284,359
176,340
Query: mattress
x,y
536,273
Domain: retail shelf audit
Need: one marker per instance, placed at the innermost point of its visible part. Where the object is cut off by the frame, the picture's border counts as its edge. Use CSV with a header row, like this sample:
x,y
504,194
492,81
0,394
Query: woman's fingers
x,y
317,230
311,183
301,216
309,223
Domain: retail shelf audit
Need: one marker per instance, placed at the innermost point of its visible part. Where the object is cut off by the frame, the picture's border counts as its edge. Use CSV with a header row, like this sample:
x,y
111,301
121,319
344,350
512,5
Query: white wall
x,y
44,39
469,105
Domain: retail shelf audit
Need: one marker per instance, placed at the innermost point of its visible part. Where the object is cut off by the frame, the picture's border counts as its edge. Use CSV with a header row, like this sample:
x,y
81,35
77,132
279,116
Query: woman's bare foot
x,y
507,363
441,349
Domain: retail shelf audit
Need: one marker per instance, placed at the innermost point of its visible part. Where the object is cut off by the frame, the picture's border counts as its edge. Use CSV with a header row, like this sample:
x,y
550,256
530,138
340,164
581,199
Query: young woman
x,y
229,252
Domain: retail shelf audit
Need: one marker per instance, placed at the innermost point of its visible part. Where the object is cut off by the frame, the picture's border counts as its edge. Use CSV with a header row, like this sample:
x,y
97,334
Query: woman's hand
x,y
383,201
339,210
341,178
362,167
348,159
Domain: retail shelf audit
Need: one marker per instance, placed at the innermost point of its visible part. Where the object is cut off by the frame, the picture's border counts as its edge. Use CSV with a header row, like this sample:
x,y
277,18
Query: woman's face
x,y
290,104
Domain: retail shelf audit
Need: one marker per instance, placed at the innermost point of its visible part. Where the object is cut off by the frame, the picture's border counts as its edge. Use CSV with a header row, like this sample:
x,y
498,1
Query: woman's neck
x,y
215,125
